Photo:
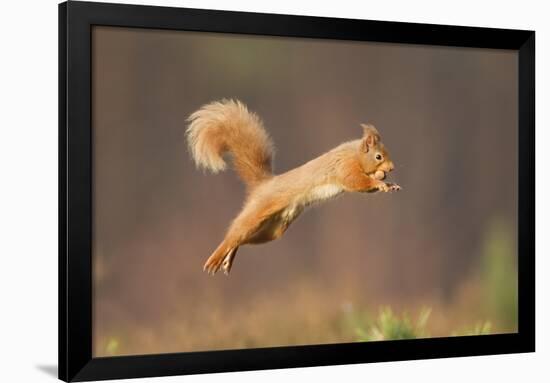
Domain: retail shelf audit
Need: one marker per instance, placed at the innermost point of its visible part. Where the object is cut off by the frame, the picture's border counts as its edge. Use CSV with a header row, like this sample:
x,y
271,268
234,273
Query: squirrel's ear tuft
x,y
370,137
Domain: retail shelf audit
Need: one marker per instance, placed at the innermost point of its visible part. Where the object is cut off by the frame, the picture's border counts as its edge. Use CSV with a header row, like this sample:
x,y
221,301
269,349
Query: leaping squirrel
x,y
273,201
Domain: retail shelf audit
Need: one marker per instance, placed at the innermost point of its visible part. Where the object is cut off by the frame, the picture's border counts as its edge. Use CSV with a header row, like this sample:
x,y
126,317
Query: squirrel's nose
x,y
390,166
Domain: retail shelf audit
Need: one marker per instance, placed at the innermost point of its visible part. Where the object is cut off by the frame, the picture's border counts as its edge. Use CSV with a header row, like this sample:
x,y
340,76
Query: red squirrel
x,y
274,201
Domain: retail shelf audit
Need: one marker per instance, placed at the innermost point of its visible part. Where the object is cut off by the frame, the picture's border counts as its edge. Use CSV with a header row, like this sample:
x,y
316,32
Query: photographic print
x,y
262,191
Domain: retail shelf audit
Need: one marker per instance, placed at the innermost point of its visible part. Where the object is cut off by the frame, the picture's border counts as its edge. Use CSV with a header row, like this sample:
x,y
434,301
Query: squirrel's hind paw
x,y
228,261
220,260
212,265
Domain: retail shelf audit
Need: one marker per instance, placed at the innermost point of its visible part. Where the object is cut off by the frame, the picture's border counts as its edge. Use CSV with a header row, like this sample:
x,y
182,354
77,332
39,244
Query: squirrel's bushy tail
x,y
228,126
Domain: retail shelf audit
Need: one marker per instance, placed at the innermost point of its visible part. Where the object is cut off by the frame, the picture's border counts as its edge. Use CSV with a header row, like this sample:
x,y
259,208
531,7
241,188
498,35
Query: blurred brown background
x,y
446,242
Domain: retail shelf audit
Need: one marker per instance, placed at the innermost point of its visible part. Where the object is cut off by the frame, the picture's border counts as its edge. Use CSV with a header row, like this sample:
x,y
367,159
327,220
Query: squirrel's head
x,y
375,159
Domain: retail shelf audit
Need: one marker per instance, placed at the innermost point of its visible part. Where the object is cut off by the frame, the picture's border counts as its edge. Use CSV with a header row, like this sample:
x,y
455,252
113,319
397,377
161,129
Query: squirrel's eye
x,y
378,157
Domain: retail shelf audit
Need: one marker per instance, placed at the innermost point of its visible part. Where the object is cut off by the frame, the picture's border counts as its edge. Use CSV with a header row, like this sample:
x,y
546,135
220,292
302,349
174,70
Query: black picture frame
x,y
75,191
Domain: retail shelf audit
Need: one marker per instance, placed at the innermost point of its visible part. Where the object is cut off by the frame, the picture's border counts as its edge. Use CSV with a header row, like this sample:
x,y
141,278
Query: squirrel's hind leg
x,y
251,226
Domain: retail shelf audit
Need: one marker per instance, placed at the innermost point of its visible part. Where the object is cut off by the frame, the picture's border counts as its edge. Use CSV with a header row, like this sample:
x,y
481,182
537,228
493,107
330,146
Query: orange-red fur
x,y
273,201
228,126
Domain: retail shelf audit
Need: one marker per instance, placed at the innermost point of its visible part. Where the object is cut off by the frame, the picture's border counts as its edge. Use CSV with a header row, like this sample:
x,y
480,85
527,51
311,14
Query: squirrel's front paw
x,y
395,187
388,187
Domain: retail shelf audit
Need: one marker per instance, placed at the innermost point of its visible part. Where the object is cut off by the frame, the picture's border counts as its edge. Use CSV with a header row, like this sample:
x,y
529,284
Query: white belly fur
x,y
317,194
322,193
